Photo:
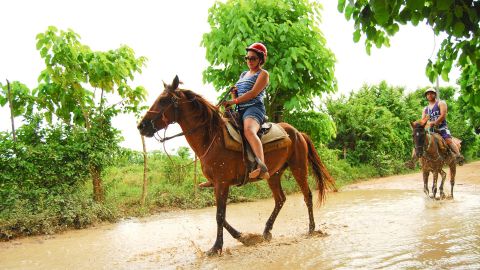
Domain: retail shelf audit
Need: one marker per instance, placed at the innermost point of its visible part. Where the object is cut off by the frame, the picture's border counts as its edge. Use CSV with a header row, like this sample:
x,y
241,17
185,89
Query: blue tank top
x,y
245,84
434,113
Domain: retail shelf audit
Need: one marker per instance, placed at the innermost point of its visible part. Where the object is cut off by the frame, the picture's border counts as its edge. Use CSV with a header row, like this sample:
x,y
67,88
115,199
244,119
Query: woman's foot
x,y
259,172
207,184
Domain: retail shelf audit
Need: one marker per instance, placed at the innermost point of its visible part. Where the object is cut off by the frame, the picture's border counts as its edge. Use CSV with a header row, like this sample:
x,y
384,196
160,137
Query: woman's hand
x,y
228,103
234,90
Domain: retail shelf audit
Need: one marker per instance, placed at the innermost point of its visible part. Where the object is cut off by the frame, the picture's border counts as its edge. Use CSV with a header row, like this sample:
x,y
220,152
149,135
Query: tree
x,y
459,20
65,91
20,100
373,126
300,65
318,125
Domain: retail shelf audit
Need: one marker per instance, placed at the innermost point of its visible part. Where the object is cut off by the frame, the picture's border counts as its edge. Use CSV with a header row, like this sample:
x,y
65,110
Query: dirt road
x,y
383,223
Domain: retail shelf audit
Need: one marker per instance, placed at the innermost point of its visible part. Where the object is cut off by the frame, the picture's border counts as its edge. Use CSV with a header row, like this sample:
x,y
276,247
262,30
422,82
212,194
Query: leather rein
x,y
175,102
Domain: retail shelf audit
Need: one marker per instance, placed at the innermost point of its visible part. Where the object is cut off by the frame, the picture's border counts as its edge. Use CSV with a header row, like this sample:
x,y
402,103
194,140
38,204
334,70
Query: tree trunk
x,y
11,111
145,182
97,184
278,114
344,152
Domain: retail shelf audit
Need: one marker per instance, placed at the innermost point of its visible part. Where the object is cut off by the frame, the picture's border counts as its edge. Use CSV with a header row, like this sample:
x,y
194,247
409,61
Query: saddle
x,y
272,136
442,144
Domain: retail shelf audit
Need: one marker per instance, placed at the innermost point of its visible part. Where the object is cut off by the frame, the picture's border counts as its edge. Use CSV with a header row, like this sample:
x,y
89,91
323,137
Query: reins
x,y
175,103
428,144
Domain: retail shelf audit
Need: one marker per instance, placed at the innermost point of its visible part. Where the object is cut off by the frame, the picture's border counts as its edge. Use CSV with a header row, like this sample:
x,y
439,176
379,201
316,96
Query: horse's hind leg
x,y
443,174
301,176
235,234
279,197
453,171
425,182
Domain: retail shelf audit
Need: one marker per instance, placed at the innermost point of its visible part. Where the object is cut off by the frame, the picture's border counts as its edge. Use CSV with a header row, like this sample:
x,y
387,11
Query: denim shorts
x,y
255,111
445,133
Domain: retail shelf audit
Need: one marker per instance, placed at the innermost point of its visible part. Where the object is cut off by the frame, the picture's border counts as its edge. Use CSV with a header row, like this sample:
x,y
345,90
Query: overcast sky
x,y
169,32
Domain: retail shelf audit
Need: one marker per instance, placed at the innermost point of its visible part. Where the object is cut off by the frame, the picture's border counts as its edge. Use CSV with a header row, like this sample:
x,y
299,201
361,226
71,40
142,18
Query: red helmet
x,y
259,48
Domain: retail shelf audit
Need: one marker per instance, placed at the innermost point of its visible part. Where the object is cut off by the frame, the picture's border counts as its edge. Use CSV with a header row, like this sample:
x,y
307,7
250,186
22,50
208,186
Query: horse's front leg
x,y
221,194
425,182
453,171
443,174
434,184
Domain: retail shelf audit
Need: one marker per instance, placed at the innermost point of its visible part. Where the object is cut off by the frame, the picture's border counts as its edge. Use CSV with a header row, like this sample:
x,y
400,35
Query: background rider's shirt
x,y
434,113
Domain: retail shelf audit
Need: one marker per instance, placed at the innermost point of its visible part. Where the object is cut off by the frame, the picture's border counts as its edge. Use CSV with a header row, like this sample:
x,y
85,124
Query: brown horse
x,y
202,125
433,153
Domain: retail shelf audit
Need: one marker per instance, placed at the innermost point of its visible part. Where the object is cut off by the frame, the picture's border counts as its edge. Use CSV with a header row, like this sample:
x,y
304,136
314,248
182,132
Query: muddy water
x,y
380,224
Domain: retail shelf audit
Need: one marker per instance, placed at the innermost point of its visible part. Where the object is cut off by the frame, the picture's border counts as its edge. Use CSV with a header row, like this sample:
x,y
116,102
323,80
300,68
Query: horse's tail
x,y
323,178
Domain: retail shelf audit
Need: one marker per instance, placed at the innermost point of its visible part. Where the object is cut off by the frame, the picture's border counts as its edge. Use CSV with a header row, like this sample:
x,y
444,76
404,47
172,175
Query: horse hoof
x,y
267,236
214,252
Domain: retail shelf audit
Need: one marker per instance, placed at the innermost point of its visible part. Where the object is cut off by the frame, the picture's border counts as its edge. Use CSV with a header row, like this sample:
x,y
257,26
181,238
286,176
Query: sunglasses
x,y
251,58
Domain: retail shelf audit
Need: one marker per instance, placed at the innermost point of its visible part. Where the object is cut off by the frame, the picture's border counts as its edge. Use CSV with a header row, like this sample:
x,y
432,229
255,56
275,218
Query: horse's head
x,y
419,134
163,112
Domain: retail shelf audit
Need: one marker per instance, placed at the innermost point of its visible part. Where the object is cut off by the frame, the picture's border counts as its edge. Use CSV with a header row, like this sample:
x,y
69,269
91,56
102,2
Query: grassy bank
x,y
170,186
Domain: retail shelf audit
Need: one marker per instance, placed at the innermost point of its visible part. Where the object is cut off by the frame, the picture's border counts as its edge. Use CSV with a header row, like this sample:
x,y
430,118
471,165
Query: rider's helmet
x,y
430,90
260,49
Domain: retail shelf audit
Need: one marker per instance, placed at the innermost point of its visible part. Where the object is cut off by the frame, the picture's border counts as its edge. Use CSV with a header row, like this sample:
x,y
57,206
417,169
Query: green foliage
x,y
68,88
373,126
459,20
300,65
470,85
56,212
43,175
318,125
22,100
71,66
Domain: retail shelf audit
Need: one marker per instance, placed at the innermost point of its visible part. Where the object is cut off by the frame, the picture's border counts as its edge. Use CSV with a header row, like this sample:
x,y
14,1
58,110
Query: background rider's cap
x,y
430,90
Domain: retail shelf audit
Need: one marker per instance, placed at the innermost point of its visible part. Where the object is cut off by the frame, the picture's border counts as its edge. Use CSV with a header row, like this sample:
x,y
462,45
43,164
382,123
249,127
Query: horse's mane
x,y
212,120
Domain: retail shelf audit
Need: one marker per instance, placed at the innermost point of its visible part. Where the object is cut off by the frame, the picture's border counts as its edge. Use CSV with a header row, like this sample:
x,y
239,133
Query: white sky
x,y
169,32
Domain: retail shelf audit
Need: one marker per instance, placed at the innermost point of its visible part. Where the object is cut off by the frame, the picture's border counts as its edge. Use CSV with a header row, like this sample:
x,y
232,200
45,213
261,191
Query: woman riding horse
x,y
249,92
203,127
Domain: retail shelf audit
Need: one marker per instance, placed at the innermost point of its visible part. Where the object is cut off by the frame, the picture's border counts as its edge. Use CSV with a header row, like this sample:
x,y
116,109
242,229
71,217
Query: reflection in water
x,y
367,229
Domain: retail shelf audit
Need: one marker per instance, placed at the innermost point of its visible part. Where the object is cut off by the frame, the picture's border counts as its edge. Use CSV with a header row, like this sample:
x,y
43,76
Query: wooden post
x,y
145,182
195,185
11,111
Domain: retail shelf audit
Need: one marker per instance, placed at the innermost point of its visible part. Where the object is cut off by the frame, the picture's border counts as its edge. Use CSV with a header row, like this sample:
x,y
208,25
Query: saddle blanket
x,y
275,138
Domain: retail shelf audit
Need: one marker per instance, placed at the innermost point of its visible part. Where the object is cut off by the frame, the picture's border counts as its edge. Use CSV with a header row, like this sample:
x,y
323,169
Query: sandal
x,y
207,184
259,174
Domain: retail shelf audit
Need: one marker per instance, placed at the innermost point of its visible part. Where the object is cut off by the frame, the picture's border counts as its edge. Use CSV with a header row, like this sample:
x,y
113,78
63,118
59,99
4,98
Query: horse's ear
x,y
412,124
175,83
164,85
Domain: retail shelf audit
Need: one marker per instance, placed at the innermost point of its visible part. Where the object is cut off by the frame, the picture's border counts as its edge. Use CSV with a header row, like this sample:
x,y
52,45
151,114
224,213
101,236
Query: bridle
x,y
421,145
418,134
175,101
161,114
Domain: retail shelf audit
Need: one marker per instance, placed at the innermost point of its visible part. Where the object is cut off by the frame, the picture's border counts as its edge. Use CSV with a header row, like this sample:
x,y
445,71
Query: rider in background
x,y
437,111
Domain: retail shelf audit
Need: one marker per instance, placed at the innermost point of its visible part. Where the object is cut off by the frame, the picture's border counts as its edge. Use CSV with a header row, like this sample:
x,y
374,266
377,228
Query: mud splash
x,y
367,226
